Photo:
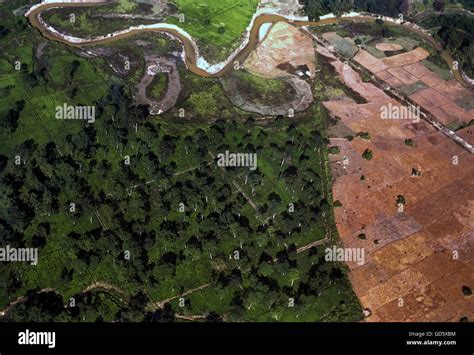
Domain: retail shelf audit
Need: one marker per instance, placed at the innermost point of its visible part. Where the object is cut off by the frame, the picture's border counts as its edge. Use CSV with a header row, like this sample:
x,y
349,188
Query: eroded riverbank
x,y
194,61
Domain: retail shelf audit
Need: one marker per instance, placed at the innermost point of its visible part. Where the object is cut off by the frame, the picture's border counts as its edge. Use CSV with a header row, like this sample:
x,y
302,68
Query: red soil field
x,y
418,259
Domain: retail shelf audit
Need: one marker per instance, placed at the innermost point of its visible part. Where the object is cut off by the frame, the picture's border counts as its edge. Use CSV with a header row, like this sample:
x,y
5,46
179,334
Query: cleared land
x,y
434,94
388,47
284,50
419,258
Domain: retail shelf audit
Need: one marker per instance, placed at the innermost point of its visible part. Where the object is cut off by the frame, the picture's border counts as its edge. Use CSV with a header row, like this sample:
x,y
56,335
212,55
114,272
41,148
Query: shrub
x,y
466,291
401,200
367,154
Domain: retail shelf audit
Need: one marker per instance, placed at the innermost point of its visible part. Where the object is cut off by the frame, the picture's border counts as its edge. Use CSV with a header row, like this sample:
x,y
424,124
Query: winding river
x,y
192,58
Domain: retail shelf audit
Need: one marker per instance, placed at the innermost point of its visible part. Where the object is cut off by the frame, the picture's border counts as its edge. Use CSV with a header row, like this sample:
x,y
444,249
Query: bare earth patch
x,y
286,53
418,258
301,99
388,47
440,96
411,57
155,65
285,49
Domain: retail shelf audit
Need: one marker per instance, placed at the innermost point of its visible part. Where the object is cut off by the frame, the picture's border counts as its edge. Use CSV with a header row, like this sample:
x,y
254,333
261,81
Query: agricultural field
x,y
401,168
159,186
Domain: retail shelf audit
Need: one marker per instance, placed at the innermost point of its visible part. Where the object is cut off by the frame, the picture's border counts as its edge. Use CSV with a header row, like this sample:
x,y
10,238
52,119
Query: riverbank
x,y
194,61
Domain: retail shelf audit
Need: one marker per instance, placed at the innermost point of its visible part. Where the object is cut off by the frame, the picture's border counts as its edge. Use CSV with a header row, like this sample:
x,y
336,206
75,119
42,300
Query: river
x,y
191,55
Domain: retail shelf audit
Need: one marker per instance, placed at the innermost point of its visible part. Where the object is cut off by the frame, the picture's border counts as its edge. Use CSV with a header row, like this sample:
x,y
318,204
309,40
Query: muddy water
x,y
188,45
190,52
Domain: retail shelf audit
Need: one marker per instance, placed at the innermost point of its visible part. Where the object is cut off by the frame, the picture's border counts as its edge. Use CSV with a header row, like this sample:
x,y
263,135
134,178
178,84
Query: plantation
x,y
131,212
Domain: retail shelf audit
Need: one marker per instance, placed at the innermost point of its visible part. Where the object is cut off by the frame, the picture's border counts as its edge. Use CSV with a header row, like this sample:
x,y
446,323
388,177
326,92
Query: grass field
x,y
86,23
217,26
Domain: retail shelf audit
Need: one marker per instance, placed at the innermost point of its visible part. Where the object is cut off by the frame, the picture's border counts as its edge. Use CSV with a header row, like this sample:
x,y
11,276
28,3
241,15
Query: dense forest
x,y
456,33
468,4
316,8
131,212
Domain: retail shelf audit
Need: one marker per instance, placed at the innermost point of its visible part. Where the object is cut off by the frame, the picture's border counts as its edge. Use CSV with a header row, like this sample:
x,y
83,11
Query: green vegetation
x,y
466,290
258,91
386,7
158,86
217,26
203,103
316,8
466,102
412,88
456,34
409,142
363,135
334,150
204,97
171,220
266,87
362,236
415,172
125,6
401,200
468,4
85,22
367,154
456,126
337,203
